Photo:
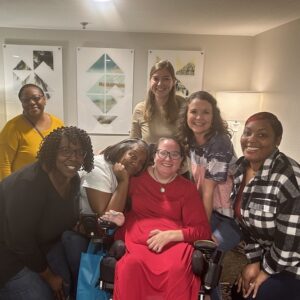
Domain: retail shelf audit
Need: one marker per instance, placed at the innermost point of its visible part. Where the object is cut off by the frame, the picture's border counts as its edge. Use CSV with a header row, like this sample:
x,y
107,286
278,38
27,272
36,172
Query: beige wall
x,y
227,63
269,62
276,72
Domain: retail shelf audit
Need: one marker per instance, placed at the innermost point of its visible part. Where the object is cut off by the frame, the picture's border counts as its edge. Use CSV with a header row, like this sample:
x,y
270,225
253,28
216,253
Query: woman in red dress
x,y
166,217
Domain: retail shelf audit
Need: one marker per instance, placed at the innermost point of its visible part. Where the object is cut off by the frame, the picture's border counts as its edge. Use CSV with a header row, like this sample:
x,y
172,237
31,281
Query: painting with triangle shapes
x,y
40,65
104,89
188,67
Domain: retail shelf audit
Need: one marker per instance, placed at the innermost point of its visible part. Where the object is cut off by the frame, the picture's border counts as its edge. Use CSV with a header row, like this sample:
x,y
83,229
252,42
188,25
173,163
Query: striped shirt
x,y
270,210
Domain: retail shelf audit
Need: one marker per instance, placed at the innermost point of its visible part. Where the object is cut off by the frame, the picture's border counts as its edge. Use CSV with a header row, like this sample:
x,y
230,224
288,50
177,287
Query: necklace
x,y
33,125
162,188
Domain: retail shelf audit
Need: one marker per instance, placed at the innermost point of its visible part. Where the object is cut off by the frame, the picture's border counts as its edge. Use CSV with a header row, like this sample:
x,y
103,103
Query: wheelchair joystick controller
x,y
214,270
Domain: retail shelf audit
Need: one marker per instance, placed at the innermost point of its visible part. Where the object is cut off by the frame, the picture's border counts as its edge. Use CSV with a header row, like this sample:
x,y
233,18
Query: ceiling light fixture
x,y
101,0
84,24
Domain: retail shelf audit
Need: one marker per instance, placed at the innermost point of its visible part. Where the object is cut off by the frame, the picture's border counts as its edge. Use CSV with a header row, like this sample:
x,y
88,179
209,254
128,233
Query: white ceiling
x,y
223,17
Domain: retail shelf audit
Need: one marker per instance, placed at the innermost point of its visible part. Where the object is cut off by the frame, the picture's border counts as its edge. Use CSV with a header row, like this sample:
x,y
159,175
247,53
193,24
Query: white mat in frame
x,y
104,89
41,65
188,67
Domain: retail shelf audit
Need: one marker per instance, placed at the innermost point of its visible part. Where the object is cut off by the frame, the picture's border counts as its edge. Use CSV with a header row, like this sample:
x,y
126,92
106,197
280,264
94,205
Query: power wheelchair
x,y
206,258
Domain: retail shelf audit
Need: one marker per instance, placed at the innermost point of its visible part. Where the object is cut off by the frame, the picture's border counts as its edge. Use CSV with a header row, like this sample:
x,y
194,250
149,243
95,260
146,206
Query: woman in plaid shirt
x,y
267,205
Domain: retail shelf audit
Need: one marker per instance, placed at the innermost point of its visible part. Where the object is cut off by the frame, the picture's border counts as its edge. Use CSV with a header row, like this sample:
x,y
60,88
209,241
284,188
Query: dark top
x,y
32,218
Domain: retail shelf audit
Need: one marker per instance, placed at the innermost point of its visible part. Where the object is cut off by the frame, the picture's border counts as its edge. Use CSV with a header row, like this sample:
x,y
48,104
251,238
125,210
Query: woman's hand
x,y
56,283
247,278
114,216
120,172
254,286
158,239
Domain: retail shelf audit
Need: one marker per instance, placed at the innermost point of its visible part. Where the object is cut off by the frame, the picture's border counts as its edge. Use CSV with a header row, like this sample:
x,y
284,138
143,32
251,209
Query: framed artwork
x,y
104,90
40,65
188,67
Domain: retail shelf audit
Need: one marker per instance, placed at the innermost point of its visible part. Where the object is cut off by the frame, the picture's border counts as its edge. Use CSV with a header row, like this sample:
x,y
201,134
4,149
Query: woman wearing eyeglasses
x,y
21,136
37,204
166,217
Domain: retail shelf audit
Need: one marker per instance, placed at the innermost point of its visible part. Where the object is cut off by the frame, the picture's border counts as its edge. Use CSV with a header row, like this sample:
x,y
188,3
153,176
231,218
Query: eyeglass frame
x,y
35,98
168,154
71,152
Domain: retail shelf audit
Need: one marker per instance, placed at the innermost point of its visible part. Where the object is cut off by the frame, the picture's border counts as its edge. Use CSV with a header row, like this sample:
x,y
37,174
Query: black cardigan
x,y
32,218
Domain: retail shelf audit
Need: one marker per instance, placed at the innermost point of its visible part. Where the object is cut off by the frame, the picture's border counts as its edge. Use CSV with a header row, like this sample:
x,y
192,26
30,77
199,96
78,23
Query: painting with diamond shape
x,y
40,65
104,89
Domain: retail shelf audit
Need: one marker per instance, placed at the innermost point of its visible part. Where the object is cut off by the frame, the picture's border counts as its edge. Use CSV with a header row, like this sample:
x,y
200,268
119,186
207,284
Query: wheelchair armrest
x,y
89,223
106,224
205,246
207,262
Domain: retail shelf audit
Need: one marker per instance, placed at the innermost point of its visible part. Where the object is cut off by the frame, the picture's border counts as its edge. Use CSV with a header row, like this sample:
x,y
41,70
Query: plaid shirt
x,y
270,210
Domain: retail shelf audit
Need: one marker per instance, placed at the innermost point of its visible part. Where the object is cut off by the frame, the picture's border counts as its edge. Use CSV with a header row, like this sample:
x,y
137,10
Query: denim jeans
x,y
28,285
228,234
74,244
276,287
226,231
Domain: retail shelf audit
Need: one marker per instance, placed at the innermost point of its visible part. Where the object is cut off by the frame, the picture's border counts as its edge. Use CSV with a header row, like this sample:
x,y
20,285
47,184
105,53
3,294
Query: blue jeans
x,y
276,287
228,234
28,285
74,244
226,231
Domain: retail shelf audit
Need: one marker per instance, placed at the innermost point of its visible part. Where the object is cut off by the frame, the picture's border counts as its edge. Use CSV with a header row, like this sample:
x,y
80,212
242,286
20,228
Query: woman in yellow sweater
x,y
21,136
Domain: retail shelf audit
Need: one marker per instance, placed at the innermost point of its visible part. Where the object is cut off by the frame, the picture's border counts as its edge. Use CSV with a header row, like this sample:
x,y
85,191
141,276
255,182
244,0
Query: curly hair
x,y
29,85
48,151
172,106
185,134
115,152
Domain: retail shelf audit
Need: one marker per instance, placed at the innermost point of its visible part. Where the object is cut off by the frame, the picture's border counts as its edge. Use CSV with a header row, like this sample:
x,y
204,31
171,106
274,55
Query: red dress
x,y
142,274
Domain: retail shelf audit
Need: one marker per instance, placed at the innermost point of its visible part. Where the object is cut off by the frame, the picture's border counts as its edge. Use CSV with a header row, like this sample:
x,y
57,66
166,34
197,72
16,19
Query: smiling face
x,y
199,116
69,158
134,159
166,166
258,141
161,84
33,102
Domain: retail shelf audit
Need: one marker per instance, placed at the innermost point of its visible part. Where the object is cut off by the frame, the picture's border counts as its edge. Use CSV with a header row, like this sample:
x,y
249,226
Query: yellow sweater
x,y
20,142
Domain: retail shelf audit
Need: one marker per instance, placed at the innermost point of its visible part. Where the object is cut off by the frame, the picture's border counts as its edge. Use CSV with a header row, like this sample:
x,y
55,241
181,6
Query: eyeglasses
x,y
163,154
67,152
35,98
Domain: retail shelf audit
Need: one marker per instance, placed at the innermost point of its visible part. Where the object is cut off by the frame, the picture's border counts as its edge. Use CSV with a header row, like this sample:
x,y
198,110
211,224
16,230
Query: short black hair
x,y
29,85
49,147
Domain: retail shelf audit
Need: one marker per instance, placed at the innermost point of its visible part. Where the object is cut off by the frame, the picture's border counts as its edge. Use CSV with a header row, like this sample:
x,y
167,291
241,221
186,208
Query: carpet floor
x,y
234,260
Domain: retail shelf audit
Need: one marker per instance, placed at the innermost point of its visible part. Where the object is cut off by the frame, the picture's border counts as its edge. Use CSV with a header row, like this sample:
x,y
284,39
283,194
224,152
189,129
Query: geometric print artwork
x,y
40,65
104,90
108,89
42,62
